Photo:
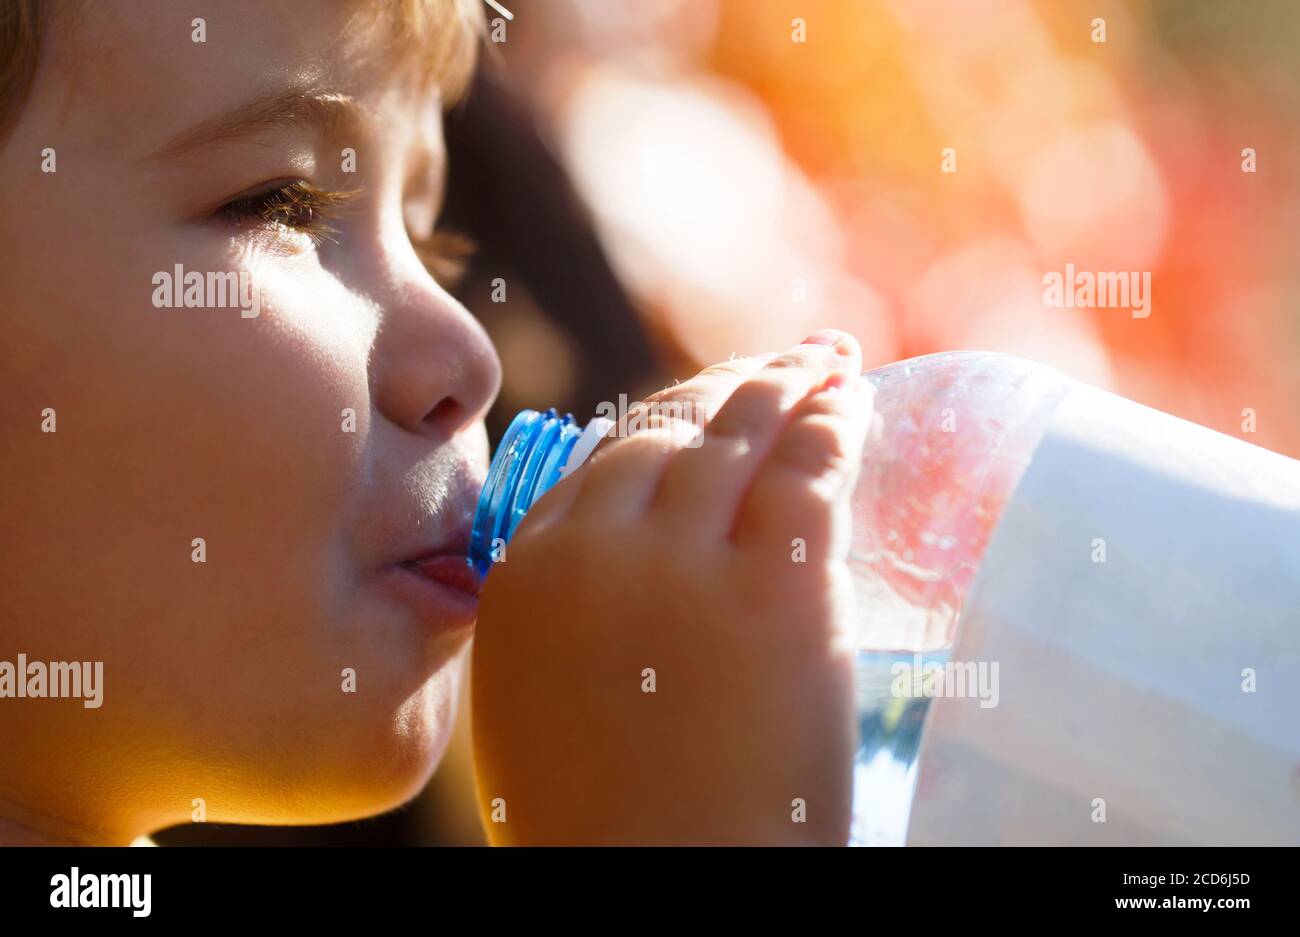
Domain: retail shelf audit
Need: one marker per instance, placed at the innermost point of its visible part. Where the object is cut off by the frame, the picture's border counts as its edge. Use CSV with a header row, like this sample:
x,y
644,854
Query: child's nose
x,y
434,370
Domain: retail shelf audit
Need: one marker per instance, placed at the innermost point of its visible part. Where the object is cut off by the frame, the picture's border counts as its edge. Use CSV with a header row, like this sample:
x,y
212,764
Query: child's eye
x,y
297,205
302,207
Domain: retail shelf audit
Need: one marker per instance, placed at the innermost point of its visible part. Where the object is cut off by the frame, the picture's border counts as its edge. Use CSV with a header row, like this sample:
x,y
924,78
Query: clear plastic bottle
x,y
959,431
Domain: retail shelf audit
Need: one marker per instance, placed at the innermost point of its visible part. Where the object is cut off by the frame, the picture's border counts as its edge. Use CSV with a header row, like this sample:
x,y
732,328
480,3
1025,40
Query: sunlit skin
x,y
718,572
224,680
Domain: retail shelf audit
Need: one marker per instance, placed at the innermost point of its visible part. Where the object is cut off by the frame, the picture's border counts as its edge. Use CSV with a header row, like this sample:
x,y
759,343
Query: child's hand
x,y
665,654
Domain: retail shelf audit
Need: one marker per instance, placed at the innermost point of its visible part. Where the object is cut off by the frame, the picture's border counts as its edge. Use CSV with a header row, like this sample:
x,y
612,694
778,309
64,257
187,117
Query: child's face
x,y
224,680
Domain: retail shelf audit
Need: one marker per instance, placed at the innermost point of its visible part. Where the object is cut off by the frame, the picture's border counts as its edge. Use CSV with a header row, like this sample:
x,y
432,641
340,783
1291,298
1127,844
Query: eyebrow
x,y
295,107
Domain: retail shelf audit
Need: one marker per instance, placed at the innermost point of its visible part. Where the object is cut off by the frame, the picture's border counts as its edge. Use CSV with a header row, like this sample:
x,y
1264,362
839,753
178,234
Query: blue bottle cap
x,y
526,465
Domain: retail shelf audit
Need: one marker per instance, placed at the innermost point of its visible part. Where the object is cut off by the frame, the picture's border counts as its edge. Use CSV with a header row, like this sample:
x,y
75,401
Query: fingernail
x,y
827,337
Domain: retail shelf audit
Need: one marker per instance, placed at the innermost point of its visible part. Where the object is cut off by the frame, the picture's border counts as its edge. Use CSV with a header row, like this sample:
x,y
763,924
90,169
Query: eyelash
x,y
298,205
304,208
446,255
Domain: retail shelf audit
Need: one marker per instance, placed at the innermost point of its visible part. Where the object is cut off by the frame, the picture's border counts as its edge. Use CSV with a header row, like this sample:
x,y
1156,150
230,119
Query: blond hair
x,y
438,37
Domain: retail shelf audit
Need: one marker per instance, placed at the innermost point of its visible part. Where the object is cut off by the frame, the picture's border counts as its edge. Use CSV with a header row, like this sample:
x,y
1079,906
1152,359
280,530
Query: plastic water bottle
x,y
959,431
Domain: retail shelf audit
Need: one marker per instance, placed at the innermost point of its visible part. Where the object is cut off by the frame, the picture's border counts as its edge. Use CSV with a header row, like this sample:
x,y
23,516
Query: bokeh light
x,y
751,187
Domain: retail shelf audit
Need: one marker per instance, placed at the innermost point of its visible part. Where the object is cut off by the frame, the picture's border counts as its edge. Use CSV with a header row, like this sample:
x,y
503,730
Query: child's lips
x,y
428,569
439,584
452,570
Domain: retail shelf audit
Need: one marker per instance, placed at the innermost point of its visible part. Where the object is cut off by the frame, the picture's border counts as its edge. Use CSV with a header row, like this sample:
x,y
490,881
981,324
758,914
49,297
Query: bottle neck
x,y
533,456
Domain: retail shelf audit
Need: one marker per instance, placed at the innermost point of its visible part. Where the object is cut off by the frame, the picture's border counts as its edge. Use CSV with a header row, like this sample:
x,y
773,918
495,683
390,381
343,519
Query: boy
x,y
243,440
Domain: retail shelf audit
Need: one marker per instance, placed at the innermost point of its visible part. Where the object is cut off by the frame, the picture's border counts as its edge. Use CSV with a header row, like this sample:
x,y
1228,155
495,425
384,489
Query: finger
x,y
801,492
621,475
691,402
702,487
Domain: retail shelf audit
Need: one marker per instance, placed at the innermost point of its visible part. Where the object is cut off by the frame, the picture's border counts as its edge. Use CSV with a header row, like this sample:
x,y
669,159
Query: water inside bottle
x,y
890,722
959,431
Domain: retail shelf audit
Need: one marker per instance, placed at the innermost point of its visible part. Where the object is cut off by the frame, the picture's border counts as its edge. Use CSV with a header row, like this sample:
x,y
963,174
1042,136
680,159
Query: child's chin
x,y
387,770
361,782
369,765
371,791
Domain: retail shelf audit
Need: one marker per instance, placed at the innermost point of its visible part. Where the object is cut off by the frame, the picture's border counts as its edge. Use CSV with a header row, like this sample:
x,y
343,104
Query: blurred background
x,y
655,185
